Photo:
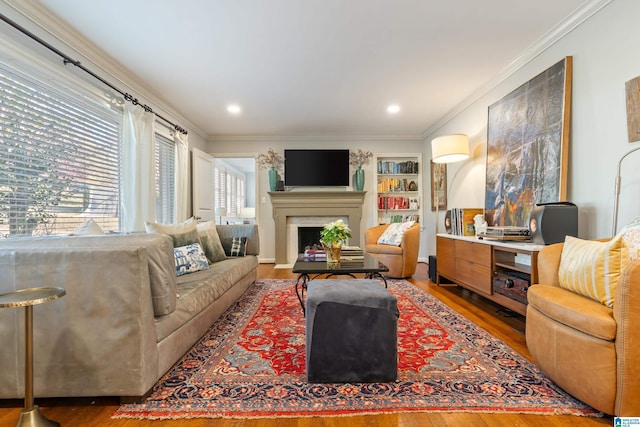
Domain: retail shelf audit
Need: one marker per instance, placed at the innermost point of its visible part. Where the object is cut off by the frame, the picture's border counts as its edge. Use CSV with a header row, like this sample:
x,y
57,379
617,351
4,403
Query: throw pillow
x,y
189,259
210,241
592,268
183,233
631,237
394,233
88,228
235,246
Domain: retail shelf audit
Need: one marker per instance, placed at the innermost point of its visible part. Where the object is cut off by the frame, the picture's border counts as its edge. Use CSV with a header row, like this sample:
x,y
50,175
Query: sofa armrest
x,y
549,264
371,235
627,317
99,339
250,231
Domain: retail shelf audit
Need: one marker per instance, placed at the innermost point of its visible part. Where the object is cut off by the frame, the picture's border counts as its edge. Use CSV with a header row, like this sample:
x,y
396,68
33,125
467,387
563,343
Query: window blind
x,y
58,159
165,183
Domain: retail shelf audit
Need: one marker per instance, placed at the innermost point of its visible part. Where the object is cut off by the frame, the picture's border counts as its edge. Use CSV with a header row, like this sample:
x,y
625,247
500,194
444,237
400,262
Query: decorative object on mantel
x,y
332,237
272,162
357,159
528,146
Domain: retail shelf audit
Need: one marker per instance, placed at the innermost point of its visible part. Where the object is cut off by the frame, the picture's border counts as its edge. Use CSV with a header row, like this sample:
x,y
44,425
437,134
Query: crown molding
x,y
77,44
580,15
316,138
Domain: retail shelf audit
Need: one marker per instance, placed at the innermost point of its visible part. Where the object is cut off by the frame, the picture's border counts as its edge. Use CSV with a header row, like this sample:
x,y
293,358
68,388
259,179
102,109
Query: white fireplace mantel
x,y
315,204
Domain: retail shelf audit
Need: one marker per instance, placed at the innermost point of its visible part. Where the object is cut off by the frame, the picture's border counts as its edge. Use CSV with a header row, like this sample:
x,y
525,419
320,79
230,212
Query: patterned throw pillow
x,y
394,233
189,259
235,246
631,237
592,268
211,241
183,233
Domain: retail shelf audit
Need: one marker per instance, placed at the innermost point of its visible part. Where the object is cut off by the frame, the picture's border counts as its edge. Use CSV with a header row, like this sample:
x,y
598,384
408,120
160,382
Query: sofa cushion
x,y
189,259
394,233
592,268
196,291
574,310
183,233
210,241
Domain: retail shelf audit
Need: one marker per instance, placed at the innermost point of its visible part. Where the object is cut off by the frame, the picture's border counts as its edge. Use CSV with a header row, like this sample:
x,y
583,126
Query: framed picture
x,y
527,147
438,186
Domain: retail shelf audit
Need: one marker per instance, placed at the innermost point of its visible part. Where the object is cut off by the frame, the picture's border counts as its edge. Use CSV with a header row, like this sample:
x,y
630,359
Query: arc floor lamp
x,y
448,149
617,193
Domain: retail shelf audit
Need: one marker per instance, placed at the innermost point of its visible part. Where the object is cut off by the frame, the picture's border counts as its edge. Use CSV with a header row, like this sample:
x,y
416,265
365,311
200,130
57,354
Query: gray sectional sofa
x,y
126,317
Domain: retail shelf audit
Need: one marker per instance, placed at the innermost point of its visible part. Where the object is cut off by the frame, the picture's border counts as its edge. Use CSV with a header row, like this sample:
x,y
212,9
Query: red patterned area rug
x,y
251,364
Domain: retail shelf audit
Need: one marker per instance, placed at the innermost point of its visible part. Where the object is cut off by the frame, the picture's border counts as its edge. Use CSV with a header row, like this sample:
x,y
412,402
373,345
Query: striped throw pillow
x,y
592,268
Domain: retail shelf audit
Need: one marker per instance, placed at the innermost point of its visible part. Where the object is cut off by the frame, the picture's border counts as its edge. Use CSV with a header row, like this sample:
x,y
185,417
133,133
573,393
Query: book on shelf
x,y
398,218
390,185
397,202
393,167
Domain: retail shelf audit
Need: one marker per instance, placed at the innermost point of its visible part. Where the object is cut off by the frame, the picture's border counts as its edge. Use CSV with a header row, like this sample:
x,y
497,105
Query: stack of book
x,y
315,255
351,253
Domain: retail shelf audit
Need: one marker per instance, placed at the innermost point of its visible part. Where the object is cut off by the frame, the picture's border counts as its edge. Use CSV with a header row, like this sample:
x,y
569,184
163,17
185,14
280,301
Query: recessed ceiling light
x,y
393,109
234,109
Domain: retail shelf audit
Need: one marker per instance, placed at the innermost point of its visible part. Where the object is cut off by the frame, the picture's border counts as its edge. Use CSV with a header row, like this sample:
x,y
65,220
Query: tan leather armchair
x,y
402,260
587,348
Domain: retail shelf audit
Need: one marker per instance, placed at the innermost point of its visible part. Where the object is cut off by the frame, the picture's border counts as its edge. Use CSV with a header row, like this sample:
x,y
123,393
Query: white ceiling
x,y
314,67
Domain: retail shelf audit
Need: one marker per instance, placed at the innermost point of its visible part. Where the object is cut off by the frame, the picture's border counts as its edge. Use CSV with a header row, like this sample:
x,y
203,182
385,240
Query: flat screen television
x,y
316,168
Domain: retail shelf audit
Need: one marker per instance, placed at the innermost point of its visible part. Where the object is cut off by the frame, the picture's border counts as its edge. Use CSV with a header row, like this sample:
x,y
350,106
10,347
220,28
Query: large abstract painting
x,y
527,147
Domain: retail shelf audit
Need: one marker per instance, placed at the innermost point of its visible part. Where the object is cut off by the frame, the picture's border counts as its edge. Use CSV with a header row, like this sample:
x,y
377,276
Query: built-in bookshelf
x,y
398,187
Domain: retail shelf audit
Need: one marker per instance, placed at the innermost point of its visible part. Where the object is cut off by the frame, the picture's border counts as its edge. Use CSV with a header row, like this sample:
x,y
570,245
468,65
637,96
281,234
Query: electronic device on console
x,y
551,222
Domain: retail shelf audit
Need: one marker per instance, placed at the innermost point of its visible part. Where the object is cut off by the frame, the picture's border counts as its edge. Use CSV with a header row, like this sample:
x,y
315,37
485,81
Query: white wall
x,y
263,202
605,56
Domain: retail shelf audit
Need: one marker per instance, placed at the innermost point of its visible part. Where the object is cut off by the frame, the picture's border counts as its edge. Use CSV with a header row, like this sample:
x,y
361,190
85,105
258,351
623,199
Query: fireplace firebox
x,y
309,238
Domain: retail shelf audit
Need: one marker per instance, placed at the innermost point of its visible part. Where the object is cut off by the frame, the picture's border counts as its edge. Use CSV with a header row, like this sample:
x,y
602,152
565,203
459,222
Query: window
x,y
165,179
58,159
229,187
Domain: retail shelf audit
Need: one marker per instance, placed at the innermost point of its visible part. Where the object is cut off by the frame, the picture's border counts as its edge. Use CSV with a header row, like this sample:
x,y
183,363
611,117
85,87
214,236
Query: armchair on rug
x,y
583,322
396,246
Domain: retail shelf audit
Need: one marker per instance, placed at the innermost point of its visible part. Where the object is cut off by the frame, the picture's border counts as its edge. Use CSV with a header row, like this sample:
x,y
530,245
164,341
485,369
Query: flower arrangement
x,y
271,160
335,233
358,158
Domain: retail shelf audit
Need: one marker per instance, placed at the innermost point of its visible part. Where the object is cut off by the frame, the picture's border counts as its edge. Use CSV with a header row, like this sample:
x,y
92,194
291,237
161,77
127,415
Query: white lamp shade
x,y
221,212
450,148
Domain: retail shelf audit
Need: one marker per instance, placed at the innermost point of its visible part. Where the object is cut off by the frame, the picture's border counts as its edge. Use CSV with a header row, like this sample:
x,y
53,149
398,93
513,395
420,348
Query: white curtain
x,y
181,176
138,168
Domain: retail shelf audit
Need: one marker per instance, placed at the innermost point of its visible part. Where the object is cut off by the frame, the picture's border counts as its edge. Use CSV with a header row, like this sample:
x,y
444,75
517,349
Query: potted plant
x,y
357,159
271,161
332,237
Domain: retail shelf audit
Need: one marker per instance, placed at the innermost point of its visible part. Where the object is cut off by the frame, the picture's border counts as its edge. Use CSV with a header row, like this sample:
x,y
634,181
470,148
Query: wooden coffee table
x,y
369,266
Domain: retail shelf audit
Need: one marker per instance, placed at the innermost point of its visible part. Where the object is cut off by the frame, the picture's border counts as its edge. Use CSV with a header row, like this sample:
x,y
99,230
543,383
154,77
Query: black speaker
x,y
433,271
551,222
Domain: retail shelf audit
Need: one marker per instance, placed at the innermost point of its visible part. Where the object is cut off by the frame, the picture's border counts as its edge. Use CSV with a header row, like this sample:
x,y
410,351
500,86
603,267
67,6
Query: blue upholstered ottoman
x,y
351,331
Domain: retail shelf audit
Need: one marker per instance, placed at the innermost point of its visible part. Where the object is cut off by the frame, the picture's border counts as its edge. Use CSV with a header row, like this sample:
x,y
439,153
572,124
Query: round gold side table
x,y
27,298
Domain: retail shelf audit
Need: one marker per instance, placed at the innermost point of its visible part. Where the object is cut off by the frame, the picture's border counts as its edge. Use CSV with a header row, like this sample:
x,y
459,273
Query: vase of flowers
x,y
271,161
332,237
357,159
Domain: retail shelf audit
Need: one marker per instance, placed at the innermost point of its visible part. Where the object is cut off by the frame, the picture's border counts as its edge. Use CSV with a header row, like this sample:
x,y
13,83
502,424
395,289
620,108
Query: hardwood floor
x,y
97,412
